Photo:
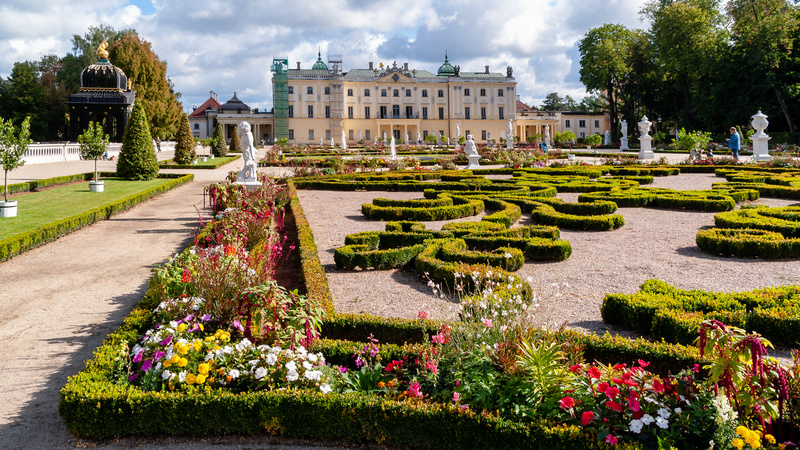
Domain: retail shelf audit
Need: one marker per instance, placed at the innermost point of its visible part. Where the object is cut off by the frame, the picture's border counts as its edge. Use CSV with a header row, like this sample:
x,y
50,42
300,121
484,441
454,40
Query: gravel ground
x,y
653,243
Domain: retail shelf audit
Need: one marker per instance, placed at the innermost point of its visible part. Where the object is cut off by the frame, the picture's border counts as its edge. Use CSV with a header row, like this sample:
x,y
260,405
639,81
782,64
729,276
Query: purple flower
x,y
342,369
158,355
166,341
205,317
238,326
133,377
138,356
188,318
194,328
147,365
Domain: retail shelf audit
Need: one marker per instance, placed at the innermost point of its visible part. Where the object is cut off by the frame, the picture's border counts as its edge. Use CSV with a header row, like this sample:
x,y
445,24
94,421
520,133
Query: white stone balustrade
x,y
70,151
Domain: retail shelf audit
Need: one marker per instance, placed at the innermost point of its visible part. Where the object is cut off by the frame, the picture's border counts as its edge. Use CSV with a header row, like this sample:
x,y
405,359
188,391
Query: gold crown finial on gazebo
x,y
101,50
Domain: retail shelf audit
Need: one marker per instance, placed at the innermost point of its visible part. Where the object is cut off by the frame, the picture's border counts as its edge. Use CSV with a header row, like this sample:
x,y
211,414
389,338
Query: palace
x,y
380,102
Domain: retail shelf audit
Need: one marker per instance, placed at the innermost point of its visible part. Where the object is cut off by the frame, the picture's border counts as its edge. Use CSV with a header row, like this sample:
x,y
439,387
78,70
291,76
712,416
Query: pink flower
x,y
487,323
586,417
594,372
612,392
567,402
414,390
431,365
423,315
633,403
456,397
611,439
643,363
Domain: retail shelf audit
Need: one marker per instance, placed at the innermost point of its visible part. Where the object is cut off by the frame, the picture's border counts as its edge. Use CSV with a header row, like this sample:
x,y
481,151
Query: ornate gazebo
x,y
105,96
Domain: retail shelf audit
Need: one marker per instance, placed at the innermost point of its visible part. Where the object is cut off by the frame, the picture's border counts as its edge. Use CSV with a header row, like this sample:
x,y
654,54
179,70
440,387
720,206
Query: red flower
x,y
696,368
574,368
614,405
187,276
567,402
594,372
602,387
643,363
612,392
620,366
586,417
611,439
631,383
634,404
658,386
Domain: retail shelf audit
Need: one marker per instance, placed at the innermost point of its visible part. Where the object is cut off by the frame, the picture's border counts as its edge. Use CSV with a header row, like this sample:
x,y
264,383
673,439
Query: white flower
x,y
253,362
663,412
636,426
507,255
301,351
313,375
260,373
292,375
272,359
325,388
234,374
182,376
662,422
243,344
312,357
307,365
678,410
647,419
167,375
291,366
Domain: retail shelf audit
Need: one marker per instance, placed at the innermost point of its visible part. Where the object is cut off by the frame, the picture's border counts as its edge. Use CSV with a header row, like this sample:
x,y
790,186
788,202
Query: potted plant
x,y
11,151
93,142
593,140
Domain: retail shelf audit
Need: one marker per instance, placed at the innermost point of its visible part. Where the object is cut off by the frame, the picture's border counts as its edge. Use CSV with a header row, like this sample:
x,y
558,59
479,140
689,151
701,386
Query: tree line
x,y
701,64
41,89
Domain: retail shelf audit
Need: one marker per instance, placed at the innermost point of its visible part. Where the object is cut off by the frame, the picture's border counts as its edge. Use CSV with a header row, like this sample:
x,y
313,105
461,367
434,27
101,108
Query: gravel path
x,y
653,243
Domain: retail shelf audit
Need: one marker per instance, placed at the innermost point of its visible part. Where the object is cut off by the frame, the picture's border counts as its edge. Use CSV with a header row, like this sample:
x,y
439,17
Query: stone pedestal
x,y
760,139
646,152
473,162
8,209
624,145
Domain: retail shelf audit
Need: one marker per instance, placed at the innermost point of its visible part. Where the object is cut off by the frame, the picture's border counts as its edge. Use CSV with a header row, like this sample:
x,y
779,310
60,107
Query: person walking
x,y
735,143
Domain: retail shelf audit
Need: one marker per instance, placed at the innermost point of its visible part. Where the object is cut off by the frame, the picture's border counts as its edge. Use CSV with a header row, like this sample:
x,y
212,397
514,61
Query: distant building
x,y
531,122
204,119
324,101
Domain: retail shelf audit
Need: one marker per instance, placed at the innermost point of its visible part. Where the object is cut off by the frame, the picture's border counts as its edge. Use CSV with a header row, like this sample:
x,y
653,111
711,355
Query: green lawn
x,y
41,208
208,164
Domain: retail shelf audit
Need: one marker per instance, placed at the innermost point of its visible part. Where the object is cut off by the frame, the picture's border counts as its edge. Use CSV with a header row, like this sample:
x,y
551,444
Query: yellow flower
x,y
770,438
741,430
182,348
181,328
190,379
175,359
781,446
209,338
197,344
167,364
738,443
183,362
201,327
200,379
203,368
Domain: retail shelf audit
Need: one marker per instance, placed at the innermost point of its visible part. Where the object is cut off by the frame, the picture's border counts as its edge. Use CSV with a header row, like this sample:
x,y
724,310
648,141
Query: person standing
x,y
735,143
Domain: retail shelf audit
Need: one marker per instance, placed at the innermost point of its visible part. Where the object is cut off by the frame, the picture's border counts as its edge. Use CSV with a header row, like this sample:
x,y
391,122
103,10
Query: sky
x,y
227,46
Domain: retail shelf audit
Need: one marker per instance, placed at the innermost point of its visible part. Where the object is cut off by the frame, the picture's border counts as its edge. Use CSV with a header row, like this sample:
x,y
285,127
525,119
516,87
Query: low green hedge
x,y
748,243
35,185
460,207
218,162
675,315
507,258
20,243
784,220
547,215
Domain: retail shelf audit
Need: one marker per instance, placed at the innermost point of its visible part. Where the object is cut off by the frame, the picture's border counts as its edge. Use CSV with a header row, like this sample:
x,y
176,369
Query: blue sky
x,y
227,46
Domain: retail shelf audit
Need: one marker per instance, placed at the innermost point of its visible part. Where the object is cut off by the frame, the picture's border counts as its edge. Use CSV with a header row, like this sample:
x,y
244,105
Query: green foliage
x,y
564,137
93,143
184,144
12,148
593,140
137,160
748,243
220,148
236,144
691,141
431,139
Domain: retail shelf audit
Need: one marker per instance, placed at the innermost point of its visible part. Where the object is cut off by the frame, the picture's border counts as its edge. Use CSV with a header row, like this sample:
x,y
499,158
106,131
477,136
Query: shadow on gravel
x,y
38,424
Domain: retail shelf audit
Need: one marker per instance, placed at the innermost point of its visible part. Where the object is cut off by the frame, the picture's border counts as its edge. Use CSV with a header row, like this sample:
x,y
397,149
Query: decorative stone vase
x,y
212,156
194,162
8,209
97,186
571,157
204,159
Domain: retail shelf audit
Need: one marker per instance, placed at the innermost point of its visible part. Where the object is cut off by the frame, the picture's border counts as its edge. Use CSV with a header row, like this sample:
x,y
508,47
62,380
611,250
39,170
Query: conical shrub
x,y
137,160
184,144
236,143
220,147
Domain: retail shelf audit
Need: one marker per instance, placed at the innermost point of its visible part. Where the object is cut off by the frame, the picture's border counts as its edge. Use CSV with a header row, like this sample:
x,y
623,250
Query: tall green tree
x,y
236,143
184,144
25,97
220,148
154,90
765,32
137,160
552,102
93,142
605,66
12,148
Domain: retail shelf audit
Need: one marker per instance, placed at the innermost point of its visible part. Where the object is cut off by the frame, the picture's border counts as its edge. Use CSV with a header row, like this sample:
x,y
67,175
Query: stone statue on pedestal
x,y
247,175
472,153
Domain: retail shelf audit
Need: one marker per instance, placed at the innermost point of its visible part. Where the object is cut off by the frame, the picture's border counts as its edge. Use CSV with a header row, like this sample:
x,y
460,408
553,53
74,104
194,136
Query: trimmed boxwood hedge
x,y
748,243
20,243
784,220
663,311
459,207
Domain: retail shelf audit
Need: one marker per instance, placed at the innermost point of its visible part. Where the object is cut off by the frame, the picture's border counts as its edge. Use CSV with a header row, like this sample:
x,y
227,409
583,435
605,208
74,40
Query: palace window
x,y
291,111
349,92
310,111
350,134
597,124
327,91
327,112
466,113
383,112
349,112
395,111
483,113
567,123
310,135
483,92
501,113
309,90
366,135
581,124
425,93
327,135
408,92
441,113
291,89
499,92
197,126
366,92
441,93
424,113
383,92
409,112
366,112
466,92
483,135
396,92
291,135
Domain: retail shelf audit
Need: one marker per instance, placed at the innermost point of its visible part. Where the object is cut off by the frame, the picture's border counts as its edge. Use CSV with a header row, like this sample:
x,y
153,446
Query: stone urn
x,y
203,159
8,209
97,186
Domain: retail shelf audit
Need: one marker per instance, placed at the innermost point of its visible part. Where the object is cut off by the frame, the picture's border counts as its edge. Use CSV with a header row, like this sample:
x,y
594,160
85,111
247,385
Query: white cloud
x,y
228,45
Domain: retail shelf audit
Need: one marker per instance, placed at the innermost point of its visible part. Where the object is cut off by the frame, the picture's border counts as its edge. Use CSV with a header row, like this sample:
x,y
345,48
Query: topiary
x,y
220,148
236,144
137,160
184,144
